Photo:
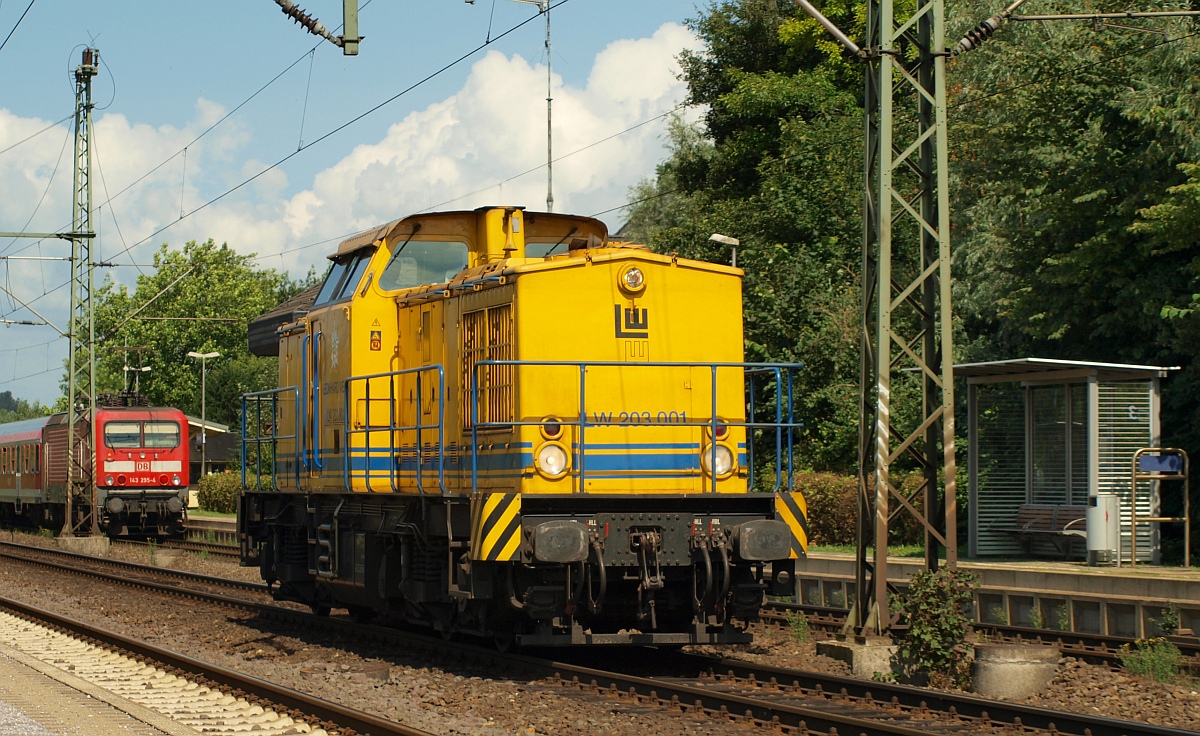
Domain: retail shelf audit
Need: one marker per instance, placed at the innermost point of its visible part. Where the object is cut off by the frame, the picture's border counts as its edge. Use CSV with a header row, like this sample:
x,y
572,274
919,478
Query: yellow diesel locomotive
x,y
505,423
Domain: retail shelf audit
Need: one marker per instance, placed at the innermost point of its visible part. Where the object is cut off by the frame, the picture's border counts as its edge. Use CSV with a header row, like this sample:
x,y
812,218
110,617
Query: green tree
x,y
13,409
199,298
1076,198
777,164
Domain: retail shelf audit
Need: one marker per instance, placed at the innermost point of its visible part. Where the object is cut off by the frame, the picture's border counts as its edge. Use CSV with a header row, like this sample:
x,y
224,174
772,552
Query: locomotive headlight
x,y
632,279
108,480
724,460
175,480
552,460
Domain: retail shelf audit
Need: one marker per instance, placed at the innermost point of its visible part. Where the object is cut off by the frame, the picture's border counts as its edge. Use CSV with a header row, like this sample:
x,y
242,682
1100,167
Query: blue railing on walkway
x,y
781,373
271,398
419,428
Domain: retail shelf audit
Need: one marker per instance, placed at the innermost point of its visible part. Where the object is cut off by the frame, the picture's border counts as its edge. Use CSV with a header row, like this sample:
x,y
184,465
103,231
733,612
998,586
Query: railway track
x,y
208,697
1092,648
214,549
789,700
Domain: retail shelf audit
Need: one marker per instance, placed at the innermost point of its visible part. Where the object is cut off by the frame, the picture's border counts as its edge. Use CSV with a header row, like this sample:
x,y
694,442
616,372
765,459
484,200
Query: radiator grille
x,y
488,335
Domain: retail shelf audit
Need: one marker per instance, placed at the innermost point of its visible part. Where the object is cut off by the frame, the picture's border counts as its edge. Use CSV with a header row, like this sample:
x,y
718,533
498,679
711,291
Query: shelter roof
x,y
1021,369
208,425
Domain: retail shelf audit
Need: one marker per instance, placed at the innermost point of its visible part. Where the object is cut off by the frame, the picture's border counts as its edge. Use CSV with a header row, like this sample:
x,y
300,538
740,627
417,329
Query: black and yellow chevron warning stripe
x,y
791,509
495,526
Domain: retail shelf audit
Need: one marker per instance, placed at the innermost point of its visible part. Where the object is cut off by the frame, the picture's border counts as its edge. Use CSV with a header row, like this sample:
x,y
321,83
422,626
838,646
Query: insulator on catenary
x,y
311,24
977,35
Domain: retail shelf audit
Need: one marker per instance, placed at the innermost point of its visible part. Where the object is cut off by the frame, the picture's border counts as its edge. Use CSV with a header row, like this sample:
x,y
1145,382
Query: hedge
x,y
219,492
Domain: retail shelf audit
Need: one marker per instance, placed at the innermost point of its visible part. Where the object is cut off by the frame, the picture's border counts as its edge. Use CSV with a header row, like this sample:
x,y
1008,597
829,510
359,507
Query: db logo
x,y
142,467
376,340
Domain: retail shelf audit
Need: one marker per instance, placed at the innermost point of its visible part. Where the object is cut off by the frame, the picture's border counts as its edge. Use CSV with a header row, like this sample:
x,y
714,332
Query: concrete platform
x,y
1067,595
39,700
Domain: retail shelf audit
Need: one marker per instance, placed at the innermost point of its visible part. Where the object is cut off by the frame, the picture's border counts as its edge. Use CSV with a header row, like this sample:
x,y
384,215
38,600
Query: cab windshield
x,y
423,262
119,435
161,434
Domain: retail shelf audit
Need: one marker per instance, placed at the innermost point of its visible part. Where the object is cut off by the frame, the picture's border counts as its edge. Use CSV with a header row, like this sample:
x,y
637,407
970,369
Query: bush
x,y
833,508
937,605
1155,658
219,492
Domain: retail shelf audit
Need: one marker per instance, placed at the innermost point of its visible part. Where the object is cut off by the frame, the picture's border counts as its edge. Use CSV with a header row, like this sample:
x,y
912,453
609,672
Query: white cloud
x,y
454,154
494,128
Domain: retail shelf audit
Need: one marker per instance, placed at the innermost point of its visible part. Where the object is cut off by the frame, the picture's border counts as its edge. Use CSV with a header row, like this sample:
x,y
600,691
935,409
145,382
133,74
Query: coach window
x,y
423,262
162,434
122,435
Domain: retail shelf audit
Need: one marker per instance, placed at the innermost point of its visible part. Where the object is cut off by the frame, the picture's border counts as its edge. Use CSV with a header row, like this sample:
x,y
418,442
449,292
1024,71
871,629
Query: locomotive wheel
x,y
359,614
320,609
505,641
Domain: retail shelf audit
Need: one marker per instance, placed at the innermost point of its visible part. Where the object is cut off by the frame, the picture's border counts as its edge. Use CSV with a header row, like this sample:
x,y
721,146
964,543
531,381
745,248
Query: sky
x,y
226,120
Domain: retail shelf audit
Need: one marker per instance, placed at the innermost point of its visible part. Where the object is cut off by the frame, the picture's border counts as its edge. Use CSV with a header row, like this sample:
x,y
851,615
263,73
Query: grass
x,y
798,626
1155,658
895,550
211,514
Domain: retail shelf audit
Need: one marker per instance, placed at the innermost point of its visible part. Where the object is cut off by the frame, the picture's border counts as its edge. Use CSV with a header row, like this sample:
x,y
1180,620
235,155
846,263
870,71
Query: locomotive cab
x,y
141,471
504,423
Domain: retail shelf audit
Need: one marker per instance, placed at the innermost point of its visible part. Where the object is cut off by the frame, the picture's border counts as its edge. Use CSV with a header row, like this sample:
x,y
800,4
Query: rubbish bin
x,y
1103,528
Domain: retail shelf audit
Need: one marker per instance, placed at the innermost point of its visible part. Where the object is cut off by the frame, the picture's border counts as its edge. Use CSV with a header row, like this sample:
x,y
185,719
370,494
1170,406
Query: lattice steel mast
x,y
906,316
81,373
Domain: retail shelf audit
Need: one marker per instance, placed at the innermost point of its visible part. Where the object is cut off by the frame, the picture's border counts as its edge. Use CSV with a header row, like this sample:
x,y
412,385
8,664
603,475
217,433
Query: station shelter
x,y
1046,436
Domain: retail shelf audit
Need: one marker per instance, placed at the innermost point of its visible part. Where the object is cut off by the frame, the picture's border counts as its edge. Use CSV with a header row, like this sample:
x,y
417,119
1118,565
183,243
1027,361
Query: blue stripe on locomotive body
x,y
609,461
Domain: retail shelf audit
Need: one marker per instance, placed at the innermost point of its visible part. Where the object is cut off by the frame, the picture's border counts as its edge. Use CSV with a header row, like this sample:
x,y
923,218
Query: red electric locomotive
x,y
140,469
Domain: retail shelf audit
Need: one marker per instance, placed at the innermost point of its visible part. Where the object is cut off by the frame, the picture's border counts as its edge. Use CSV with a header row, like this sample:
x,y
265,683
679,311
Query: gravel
x,y
445,698
456,699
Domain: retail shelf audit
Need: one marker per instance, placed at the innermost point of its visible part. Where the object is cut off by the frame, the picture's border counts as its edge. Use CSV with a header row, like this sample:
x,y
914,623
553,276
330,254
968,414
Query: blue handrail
x,y
302,416
781,373
258,398
392,428
316,388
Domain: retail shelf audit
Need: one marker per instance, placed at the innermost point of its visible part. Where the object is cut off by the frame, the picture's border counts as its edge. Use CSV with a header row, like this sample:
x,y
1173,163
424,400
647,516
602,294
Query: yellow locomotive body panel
x,y
577,333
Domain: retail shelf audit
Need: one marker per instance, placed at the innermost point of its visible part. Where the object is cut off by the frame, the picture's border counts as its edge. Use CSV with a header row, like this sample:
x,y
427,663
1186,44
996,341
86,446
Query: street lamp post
x,y
203,420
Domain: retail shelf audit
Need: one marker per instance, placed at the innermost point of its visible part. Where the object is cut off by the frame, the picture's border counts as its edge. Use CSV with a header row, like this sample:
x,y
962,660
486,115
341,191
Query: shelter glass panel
x,y
1079,444
1000,449
1125,428
1048,444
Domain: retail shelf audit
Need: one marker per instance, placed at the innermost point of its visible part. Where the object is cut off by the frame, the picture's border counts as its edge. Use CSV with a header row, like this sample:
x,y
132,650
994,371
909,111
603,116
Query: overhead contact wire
x,y
338,129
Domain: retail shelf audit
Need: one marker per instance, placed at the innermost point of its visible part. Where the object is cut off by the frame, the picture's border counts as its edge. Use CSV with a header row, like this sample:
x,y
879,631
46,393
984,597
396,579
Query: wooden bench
x,y
1051,522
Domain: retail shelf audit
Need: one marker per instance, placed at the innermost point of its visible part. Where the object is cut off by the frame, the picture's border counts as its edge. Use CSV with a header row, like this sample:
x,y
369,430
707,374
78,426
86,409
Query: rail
x,y
781,373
